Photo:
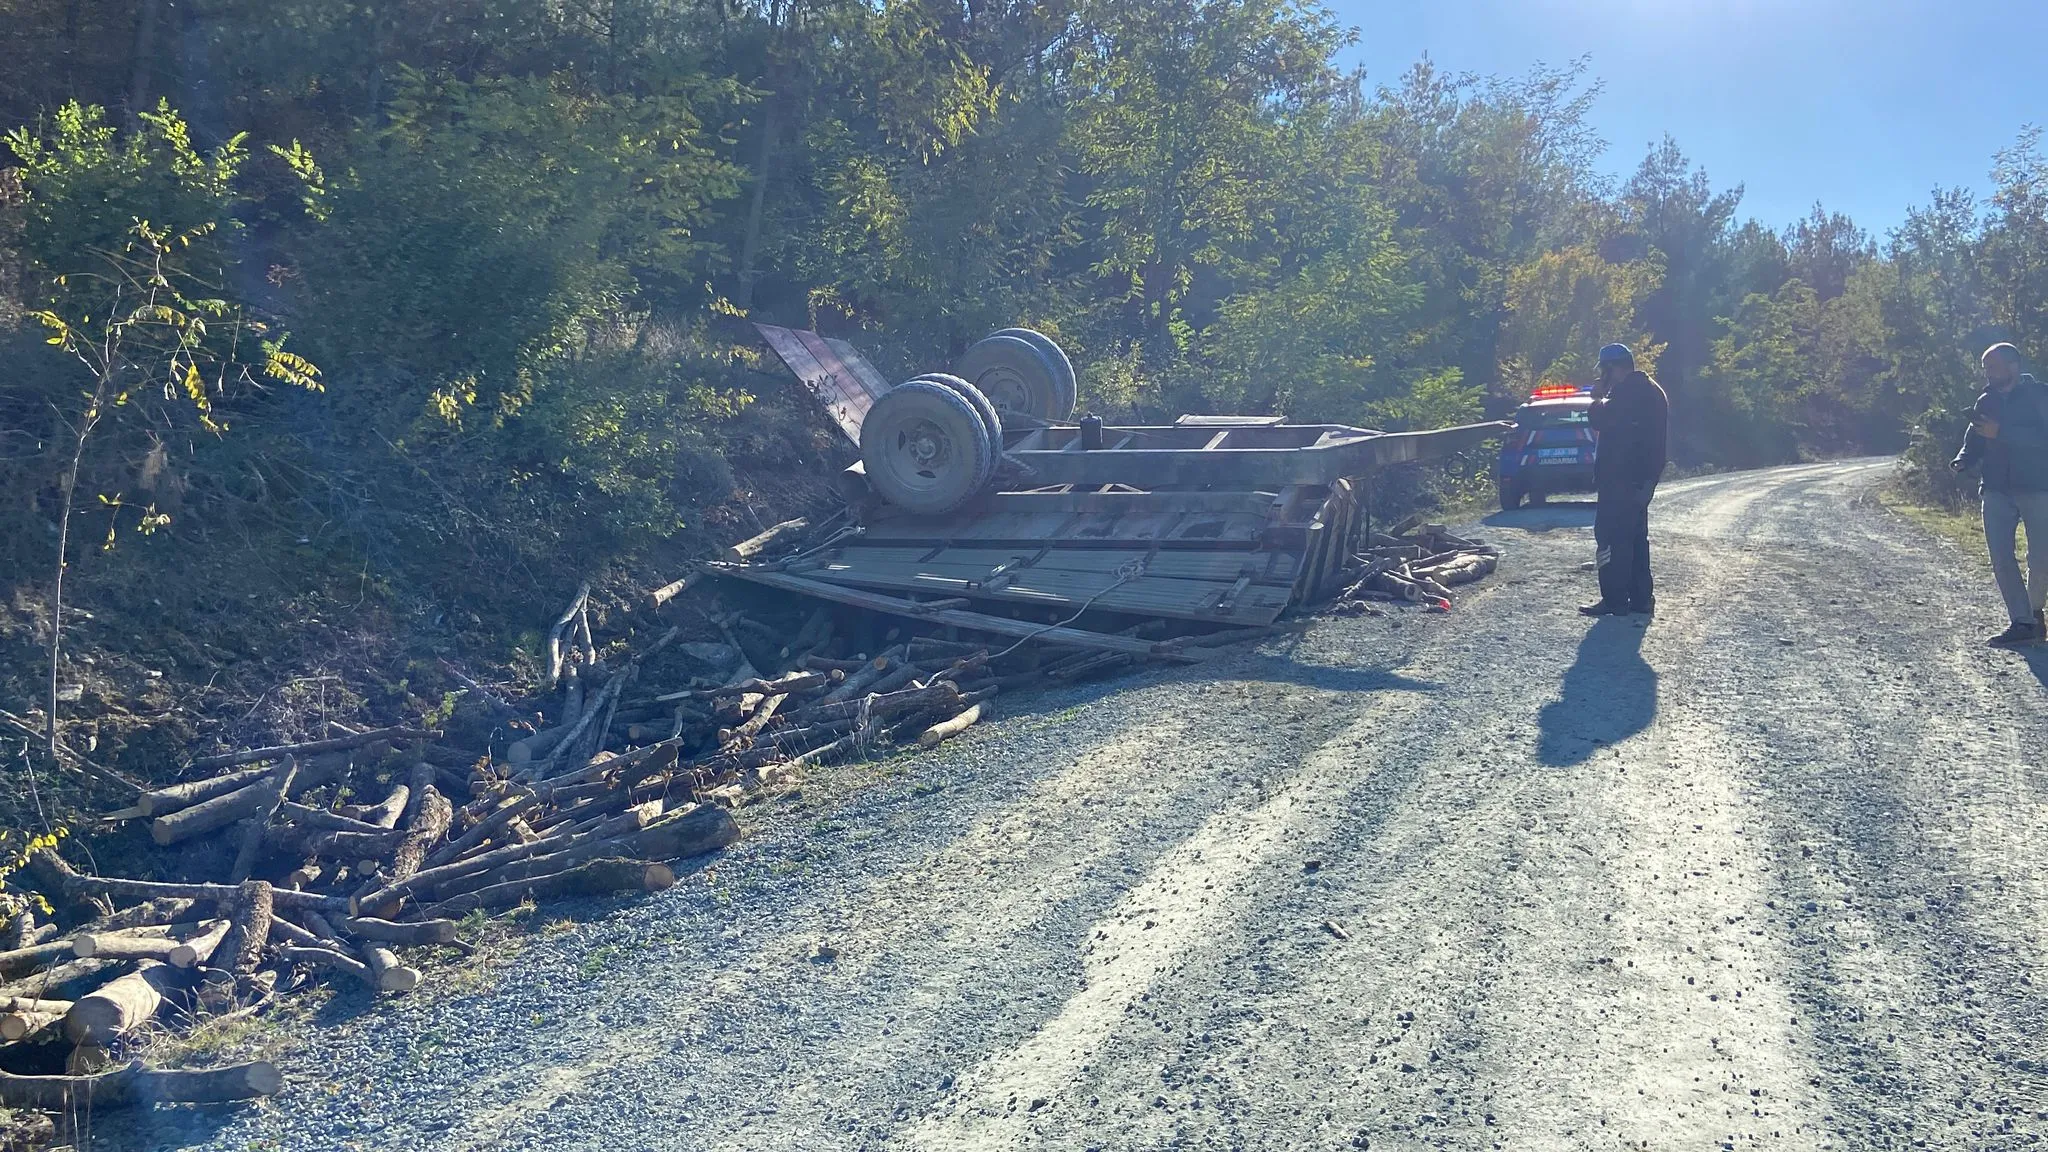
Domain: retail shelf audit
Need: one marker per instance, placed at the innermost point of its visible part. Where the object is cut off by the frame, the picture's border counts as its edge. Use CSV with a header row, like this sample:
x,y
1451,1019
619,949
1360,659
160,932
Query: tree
x,y
1179,112
143,311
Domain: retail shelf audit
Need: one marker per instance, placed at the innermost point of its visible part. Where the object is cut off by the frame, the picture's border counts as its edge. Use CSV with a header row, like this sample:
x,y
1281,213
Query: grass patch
x,y
1965,529
267,1035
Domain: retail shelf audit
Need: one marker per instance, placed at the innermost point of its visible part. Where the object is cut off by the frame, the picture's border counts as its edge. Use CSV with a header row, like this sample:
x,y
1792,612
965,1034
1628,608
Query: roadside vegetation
x,y
337,334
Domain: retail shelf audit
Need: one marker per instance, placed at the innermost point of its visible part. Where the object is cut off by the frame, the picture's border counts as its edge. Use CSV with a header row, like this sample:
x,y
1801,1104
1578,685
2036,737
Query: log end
x,y
263,1078
84,945
398,979
92,1022
657,877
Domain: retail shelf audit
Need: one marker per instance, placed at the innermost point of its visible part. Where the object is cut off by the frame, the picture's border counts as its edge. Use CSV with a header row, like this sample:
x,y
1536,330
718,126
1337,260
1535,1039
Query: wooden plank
x,y
957,617
836,388
1261,603
954,562
866,374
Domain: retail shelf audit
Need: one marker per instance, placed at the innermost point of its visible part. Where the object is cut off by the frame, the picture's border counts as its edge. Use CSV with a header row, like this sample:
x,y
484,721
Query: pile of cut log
x,y
1417,564
311,887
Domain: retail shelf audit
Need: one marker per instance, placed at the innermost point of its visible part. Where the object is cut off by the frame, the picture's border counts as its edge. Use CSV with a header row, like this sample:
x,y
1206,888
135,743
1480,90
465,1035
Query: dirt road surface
x,y
1764,874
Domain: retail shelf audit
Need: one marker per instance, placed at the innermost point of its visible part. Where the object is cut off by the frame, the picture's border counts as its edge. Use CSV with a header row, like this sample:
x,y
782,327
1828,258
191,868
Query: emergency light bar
x,y
1558,392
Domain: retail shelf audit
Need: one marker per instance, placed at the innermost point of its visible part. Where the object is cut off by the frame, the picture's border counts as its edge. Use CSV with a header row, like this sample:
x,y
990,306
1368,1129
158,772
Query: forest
x,y
443,300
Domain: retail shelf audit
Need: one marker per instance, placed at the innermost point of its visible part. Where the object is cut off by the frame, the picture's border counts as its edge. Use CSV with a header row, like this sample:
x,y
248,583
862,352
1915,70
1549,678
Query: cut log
x,y
925,650
66,981
208,815
378,845
826,664
631,820
148,889
559,632
691,833
429,824
329,959
386,814
251,918
337,744
32,1004
153,942
484,829
199,949
415,933
33,957
786,533
22,931
286,932
881,707
600,877
19,1027
123,1005
164,801
278,786
599,708
389,897
859,683
673,589
536,746
933,736
826,753
388,974
136,1086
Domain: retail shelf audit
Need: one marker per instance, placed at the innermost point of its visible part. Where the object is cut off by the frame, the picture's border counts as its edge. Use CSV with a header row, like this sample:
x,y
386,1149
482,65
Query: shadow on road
x,y
1545,517
1609,694
2037,662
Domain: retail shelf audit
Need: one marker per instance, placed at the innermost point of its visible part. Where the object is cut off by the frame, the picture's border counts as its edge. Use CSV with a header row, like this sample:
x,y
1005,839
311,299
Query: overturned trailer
x,y
977,487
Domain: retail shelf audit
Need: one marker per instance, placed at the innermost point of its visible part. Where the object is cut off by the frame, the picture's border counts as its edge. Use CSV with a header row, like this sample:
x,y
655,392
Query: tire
x,y
925,449
1068,384
991,420
1510,496
1017,378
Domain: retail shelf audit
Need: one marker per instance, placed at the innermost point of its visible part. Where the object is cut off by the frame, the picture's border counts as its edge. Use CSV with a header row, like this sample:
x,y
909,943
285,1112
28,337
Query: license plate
x,y
1557,455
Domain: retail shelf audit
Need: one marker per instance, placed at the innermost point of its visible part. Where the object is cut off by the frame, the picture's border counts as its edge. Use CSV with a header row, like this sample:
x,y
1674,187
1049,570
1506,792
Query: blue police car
x,y
1551,449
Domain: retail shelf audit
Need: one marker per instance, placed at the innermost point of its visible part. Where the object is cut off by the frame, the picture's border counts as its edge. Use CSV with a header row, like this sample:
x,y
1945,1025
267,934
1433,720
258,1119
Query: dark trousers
x,y
1621,530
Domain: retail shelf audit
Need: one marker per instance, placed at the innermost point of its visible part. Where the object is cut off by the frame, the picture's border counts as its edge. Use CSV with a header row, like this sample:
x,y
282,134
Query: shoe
x,y
2017,636
1603,608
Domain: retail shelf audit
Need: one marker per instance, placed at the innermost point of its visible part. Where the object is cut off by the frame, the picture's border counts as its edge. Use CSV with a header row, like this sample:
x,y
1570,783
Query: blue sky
x,y
1864,105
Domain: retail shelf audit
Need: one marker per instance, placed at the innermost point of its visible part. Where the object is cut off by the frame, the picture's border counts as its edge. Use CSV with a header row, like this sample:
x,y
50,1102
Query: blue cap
x,y
1617,354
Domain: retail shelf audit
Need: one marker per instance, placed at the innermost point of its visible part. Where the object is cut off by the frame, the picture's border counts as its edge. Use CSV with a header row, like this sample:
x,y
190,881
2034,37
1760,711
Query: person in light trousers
x,y
2008,441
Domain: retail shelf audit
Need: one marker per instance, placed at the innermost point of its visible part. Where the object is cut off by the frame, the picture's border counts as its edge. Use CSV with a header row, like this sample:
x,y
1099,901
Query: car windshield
x,y
1552,416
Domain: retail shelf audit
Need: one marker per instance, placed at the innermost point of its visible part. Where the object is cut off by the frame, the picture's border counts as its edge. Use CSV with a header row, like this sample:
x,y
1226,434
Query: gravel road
x,y
1764,874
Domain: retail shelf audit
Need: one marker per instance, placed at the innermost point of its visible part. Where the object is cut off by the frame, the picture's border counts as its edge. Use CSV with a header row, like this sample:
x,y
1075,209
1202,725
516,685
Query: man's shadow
x,y
1609,694
2037,662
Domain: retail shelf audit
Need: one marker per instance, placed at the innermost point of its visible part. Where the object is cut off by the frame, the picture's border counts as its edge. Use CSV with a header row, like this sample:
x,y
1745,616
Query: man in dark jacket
x,y
1632,416
2008,438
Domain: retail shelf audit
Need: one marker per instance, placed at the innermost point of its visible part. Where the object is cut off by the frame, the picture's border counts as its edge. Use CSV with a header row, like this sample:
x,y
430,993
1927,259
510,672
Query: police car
x,y
1552,447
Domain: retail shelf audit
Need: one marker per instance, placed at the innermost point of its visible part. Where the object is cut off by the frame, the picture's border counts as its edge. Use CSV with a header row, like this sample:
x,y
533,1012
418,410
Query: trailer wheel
x,y
1018,378
924,448
991,420
1066,384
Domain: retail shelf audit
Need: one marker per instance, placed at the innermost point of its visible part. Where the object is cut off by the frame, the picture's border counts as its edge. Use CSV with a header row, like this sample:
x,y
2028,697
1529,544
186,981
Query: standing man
x,y
1633,417
2008,436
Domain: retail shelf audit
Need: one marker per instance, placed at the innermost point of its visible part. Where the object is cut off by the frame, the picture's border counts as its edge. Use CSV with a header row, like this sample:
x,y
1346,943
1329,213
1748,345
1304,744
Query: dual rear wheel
x,y
930,445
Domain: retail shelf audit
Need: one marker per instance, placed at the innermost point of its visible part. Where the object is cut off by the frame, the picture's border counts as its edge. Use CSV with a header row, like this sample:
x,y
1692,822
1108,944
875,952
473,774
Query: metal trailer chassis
x,y
1216,519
